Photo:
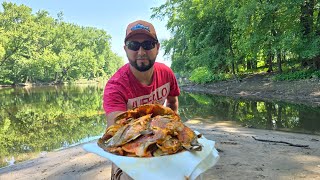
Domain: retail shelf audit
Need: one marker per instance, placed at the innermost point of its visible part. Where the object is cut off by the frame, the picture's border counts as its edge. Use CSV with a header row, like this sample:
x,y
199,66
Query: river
x,y
37,120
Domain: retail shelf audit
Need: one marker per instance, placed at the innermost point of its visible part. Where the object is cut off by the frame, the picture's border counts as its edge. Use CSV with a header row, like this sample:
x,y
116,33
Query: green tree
x,y
232,36
38,48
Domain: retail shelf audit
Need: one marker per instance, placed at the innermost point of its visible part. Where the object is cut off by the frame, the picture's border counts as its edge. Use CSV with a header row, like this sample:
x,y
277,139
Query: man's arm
x,y
111,116
172,102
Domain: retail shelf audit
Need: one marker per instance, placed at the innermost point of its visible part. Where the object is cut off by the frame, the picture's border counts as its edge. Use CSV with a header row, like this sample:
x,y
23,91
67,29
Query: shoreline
x,y
261,87
37,84
254,87
241,157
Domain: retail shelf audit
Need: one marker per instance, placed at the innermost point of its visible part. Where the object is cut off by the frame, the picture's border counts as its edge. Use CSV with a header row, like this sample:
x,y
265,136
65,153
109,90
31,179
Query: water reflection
x,y
46,118
249,113
37,120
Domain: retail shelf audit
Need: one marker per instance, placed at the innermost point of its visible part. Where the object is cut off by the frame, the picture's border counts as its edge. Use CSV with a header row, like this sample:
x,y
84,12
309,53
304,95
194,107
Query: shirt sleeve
x,y
113,98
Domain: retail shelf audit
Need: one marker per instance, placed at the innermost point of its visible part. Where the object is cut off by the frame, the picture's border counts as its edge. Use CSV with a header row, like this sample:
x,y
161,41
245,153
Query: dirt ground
x,y
241,156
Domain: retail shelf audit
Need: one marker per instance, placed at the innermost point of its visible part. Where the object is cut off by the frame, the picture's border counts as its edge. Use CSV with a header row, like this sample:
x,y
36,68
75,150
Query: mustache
x,y
142,57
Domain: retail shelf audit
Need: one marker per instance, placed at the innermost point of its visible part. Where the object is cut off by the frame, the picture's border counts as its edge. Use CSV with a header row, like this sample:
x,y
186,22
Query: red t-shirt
x,y
123,91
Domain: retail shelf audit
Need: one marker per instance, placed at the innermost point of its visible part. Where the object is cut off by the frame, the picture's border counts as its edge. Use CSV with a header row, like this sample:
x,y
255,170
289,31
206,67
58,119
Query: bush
x,y
203,75
305,74
6,82
316,74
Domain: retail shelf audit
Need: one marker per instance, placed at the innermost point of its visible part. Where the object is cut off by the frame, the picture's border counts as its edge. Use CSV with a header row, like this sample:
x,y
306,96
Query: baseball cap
x,y
140,27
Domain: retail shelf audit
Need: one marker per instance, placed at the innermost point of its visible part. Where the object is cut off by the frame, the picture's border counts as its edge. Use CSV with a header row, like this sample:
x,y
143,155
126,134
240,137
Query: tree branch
x,y
290,144
8,56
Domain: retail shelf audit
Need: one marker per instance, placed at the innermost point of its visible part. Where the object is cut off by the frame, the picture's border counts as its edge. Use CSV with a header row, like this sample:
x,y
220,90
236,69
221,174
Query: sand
x,y
241,157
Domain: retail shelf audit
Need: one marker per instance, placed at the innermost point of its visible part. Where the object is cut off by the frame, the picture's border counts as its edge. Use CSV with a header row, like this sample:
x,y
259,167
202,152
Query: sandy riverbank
x,y
241,157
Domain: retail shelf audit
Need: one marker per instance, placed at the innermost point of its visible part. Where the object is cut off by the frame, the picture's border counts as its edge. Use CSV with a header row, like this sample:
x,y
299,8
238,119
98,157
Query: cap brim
x,y
140,31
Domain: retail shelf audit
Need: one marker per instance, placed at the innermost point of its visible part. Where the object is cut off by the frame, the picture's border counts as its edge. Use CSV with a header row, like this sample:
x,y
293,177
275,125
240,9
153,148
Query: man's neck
x,y
144,78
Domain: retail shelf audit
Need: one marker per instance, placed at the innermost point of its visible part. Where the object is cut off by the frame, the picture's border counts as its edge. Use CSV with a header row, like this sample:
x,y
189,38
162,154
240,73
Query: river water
x,y
37,120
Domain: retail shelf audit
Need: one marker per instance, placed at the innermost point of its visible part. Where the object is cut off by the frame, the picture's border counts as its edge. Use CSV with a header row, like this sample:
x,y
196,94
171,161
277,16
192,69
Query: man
x,y
141,81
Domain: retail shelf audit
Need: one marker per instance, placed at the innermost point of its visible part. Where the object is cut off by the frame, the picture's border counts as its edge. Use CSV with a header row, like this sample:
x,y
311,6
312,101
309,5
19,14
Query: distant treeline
x,y
39,48
214,37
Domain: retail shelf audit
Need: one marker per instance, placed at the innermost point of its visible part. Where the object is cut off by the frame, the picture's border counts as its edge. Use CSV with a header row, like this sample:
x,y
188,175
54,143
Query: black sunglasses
x,y
146,45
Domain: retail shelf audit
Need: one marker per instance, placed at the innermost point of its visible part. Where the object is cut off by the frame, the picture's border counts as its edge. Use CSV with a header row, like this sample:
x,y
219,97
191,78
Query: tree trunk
x,y
233,69
56,77
279,61
232,56
318,24
269,62
27,79
237,68
254,63
306,18
316,62
249,66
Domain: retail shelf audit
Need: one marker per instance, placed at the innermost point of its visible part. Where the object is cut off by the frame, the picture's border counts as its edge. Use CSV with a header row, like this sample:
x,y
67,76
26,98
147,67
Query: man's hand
x,y
172,102
111,116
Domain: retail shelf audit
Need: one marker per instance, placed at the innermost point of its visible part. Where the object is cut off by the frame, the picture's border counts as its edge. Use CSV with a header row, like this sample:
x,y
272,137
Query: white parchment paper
x,y
177,166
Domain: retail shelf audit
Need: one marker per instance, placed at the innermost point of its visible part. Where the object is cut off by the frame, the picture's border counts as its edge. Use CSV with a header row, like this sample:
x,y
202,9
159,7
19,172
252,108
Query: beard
x,y
142,67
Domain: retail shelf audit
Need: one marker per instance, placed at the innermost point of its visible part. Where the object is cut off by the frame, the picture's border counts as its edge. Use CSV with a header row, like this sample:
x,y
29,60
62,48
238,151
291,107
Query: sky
x,y
111,16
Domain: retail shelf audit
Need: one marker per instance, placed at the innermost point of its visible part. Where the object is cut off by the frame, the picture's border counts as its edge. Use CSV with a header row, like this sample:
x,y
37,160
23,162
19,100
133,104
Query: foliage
x,y
203,75
305,74
39,48
232,36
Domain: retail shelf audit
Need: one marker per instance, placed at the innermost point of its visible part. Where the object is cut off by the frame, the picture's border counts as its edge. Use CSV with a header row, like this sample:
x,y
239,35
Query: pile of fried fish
x,y
147,131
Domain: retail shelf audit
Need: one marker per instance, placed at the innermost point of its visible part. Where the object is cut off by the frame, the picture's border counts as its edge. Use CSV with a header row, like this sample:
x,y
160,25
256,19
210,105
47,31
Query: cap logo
x,y
140,26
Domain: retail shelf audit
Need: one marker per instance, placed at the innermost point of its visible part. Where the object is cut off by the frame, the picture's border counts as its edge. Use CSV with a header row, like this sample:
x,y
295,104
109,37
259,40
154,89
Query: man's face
x,y
141,59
